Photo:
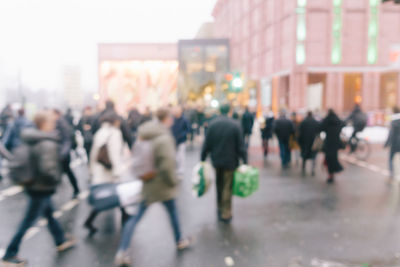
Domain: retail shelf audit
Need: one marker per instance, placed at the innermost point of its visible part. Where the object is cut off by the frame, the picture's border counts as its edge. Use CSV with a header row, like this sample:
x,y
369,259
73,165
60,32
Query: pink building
x,y
315,54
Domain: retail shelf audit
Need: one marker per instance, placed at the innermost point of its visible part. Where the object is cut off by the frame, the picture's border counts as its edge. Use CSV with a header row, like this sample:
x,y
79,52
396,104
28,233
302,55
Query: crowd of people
x,y
51,137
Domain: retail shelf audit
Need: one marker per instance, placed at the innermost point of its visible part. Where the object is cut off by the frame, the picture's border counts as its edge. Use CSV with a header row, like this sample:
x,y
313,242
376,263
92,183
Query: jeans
x,y
71,176
285,153
130,224
38,206
224,193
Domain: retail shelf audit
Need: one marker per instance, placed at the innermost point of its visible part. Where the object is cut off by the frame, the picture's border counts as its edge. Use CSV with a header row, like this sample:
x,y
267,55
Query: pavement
x,y
290,221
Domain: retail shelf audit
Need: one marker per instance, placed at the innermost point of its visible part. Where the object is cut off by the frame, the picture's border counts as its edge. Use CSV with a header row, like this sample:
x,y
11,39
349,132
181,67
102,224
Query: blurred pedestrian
x,y
67,138
6,116
180,129
163,187
108,135
12,136
69,117
44,147
284,129
224,141
393,140
267,132
85,127
247,125
359,121
134,120
332,126
308,131
190,114
147,116
293,142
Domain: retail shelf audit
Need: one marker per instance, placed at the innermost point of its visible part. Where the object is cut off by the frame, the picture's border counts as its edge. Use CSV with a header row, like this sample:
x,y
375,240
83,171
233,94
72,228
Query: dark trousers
x,y
71,176
265,147
391,157
224,193
130,225
38,206
285,153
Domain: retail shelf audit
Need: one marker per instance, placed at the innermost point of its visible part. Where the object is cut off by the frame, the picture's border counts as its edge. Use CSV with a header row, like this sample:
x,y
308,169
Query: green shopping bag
x,y
245,181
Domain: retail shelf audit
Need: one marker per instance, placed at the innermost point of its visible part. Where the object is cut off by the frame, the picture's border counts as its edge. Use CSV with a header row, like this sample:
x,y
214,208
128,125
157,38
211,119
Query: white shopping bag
x,y
130,193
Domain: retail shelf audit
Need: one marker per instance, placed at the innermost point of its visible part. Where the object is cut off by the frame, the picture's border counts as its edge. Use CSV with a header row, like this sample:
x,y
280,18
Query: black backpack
x,y
21,166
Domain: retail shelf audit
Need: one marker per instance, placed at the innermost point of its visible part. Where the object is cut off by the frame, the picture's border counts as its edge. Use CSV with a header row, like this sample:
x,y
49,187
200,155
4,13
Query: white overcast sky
x,y
40,36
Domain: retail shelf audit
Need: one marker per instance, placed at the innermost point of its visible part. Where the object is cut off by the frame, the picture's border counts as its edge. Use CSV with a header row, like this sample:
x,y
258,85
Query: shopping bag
x,y
245,181
130,193
318,144
203,177
103,196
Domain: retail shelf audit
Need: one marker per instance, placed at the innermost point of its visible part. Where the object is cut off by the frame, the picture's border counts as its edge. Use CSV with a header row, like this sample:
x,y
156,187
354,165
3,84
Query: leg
x,y
226,204
282,153
288,153
220,180
173,215
53,225
303,168
70,174
89,222
314,163
33,212
129,228
391,167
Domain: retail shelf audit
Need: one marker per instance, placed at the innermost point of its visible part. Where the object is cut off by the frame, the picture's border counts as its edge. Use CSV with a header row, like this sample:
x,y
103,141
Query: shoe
x,y
225,220
91,229
68,244
122,259
75,195
184,244
13,262
330,181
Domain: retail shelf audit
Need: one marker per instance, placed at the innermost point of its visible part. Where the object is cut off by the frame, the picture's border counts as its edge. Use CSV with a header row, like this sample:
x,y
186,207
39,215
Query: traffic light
x,y
235,82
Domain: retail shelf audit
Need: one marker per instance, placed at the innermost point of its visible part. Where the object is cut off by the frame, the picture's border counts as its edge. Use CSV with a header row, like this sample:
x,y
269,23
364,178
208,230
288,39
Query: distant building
x,y
72,86
315,54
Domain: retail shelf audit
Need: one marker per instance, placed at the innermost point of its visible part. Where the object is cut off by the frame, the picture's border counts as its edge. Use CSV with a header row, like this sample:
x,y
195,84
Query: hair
x,y
396,109
21,112
309,113
57,112
162,114
109,104
225,109
110,117
41,118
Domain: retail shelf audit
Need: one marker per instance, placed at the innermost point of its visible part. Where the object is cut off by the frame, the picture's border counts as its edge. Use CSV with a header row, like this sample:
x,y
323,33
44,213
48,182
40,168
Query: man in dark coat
x,y
308,131
359,121
283,129
247,125
85,127
394,138
267,131
332,126
224,141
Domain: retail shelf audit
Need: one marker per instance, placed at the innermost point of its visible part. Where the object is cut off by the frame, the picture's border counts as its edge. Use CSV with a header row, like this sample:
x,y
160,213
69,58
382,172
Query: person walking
x,y
111,136
283,129
163,187
134,119
308,131
224,141
267,132
12,136
180,129
43,144
85,127
66,136
359,121
393,141
332,126
247,125
293,141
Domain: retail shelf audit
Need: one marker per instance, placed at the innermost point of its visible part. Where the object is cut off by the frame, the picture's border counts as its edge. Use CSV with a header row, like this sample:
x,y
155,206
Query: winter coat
x,y
247,122
12,136
66,136
85,127
358,119
46,160
111,136
268,130
180,129
164,186
393,140
224,141
283,129
308,130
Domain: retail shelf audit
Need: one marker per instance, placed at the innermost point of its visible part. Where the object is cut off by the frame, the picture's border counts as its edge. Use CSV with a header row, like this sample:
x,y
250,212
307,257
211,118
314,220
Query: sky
x,y
38,37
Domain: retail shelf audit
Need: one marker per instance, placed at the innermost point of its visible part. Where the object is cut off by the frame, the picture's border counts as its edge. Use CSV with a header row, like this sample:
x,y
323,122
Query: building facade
x,y
315,54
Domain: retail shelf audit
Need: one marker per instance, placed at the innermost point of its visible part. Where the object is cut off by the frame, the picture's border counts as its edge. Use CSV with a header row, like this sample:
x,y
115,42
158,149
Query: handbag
x,y
318,143
103,156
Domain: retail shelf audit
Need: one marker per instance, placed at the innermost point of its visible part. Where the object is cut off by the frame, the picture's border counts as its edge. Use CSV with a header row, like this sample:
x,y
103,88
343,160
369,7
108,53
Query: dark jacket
x,y
46,160
283,129
394,135
66,136
358,119
180,129
332,126
224,140
308,130
247,122
85,127
268,130
12,136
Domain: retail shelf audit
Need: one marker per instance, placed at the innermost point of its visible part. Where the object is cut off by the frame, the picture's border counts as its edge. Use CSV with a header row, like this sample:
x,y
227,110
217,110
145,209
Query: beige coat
x,y
165,185
113,137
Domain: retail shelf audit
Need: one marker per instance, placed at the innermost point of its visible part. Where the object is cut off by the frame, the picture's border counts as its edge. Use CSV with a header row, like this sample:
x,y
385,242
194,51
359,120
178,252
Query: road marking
x,y
31,232
12,191
70,205
57,214
366,165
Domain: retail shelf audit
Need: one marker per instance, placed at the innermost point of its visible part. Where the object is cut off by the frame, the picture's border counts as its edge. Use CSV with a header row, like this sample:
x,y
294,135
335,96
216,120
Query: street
x,y
290,221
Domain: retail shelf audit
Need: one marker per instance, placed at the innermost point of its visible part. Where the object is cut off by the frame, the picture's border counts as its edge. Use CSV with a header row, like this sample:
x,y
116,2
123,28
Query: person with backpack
x,y
67,140
162,186
12,136
40,184
224,141
393,141
105,158
359,121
